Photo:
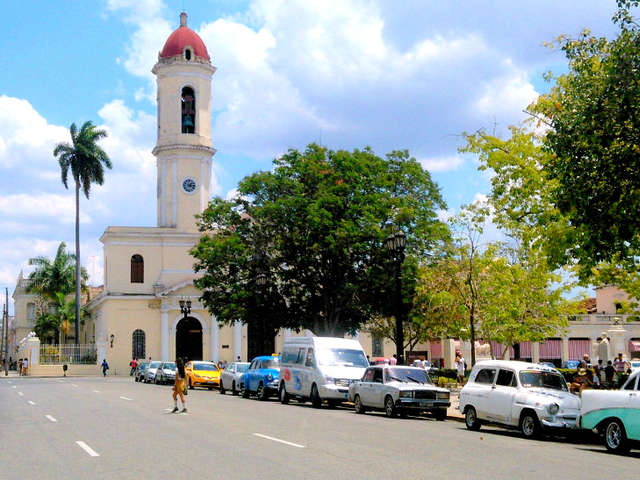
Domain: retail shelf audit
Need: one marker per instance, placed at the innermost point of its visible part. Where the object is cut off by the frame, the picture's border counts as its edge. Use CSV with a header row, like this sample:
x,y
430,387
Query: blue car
x,y
261,378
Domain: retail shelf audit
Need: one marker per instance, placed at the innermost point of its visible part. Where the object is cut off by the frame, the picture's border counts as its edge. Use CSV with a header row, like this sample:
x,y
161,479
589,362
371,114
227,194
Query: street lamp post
x,y
396,243
185,308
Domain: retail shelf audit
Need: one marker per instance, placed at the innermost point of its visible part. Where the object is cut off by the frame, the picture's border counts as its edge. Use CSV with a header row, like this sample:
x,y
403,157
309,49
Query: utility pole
x,y
2,336
6,331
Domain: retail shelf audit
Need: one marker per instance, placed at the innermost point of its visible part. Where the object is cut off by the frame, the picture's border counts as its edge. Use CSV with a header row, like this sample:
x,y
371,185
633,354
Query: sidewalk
x,y
452,412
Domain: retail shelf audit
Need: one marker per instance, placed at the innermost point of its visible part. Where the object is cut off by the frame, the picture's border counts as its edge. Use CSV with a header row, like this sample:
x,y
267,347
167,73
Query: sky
x,y
413,75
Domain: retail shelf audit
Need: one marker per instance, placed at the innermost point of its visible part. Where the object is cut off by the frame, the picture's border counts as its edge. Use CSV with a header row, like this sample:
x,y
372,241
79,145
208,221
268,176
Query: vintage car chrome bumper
x,y
421,404
560,421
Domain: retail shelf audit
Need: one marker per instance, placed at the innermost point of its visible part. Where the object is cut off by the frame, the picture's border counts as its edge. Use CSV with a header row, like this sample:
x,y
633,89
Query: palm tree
x,y
85,159
50,278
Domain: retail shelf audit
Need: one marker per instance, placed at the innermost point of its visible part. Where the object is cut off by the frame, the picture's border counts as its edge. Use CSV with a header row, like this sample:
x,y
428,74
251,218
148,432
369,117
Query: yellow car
x,y
202,374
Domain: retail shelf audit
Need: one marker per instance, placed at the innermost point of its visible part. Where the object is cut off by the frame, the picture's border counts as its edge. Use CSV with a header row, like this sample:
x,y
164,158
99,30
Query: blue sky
x,y
411,74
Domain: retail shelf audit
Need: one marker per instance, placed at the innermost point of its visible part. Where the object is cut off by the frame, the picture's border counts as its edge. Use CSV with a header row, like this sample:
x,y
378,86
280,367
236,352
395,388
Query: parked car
x,y
614,414
202,374
527,396
571,364
261,378
398,389
231,377
140,371
635,365
166,373
150,374
548,364
320,368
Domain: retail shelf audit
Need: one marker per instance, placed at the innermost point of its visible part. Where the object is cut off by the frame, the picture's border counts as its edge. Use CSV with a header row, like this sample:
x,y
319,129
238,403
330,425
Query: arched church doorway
x,y
189,339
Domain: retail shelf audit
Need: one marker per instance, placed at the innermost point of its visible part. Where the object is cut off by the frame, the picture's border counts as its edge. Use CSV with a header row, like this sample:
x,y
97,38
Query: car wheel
x,y
244,391
359,407
233,389
471,419
261,393
155,380
190,384
440,414
222,390
529,425
316,401
284,396
389,407
615,437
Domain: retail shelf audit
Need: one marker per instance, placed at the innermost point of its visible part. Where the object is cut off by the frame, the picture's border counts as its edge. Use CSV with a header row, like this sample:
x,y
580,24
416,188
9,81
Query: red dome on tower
x,y
182,37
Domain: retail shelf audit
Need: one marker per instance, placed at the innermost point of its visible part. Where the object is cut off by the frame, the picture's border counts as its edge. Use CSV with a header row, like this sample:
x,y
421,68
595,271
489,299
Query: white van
x,y
320,368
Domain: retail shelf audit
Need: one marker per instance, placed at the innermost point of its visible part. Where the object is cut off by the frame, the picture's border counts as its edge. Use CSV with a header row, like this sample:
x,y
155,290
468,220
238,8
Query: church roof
x,y
182,37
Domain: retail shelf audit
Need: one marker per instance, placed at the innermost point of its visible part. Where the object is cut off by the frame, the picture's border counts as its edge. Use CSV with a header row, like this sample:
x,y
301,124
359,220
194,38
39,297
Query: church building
x,y
148,270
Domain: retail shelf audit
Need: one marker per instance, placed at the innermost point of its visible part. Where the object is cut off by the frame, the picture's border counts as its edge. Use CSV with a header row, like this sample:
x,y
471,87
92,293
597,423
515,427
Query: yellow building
x,y
148,270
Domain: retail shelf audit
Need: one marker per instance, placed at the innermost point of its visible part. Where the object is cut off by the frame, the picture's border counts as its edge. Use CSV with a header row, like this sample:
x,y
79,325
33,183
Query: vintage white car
x,y
527,396
615,414
398,389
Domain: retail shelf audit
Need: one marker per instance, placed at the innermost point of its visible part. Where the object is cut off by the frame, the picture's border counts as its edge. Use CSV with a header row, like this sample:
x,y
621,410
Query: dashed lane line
x,y
126,398
31,403
51,418
87,449
20,393
96,391
74,385
273,439
14,386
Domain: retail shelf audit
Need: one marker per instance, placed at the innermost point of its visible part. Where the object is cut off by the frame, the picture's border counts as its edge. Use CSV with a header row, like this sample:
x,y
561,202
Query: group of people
x,y
589,375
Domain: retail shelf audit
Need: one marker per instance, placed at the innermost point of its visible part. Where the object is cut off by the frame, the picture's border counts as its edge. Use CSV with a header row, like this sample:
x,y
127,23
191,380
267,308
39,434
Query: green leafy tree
x,y
594,119
52,277
319,220
86,160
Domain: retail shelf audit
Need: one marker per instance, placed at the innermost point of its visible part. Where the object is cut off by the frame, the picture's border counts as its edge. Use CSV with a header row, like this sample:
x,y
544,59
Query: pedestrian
x,y
178,387
587,360
460,367
105,367
25,366
133,364
238,359
20,366
619,364
393,360
609,372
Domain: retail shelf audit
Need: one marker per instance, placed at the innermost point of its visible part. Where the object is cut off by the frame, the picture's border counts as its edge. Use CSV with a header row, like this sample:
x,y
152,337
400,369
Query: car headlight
x,y
553,408
269,377
406,393
329,380
442,395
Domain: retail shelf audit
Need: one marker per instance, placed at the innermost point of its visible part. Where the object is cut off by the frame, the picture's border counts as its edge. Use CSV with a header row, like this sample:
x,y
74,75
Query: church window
x,y
188,116
187,54
137,269
138,344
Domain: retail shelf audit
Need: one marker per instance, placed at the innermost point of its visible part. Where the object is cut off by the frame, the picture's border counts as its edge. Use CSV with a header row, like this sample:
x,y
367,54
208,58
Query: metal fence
x,y
69,354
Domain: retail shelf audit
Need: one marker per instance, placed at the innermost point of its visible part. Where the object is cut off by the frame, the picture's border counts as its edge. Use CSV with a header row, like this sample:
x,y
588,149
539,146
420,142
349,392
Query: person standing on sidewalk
x,y
460,367
133,364
25,366
105,367
178,387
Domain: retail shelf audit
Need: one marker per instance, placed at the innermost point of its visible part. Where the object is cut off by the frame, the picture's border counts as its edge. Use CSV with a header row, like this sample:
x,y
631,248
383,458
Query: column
x,y
565,349
237,340
535,352
164,335
449,353
214,339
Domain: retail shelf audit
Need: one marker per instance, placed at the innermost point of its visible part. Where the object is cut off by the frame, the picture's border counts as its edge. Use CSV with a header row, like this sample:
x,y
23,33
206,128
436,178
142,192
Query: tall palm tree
x,y
85,159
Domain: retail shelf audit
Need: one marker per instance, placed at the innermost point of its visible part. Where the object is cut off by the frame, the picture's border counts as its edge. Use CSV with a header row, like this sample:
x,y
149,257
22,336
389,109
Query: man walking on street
x,y
178,387
460,367
105,367
133,365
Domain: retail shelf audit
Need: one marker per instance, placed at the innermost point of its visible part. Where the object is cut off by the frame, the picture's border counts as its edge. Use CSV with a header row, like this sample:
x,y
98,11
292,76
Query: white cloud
x,y
442,164
45,207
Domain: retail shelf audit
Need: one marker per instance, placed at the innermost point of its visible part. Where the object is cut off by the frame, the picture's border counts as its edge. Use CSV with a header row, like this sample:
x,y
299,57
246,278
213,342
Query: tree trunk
x,y
78,276
473,334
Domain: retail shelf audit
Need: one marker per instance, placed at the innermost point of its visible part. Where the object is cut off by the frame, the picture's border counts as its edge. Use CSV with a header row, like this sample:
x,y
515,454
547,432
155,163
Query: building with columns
x,y
148,270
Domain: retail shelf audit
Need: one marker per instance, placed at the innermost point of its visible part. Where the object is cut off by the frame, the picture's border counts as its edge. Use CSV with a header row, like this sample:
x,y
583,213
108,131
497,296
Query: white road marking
x,y
31,403
74,385
51,418
96,391
14,387
168,409
126,398
87,449
20,393
278,440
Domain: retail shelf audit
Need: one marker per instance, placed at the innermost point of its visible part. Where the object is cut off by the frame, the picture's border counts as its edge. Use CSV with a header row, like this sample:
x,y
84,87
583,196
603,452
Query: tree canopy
x,y
315,227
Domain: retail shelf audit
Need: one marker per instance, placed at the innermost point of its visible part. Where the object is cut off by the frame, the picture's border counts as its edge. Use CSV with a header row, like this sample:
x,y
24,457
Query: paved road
x,y
128,427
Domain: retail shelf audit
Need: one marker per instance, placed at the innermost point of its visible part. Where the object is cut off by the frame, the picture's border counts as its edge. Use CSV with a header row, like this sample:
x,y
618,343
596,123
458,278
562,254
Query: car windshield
x,y
271,363
540,379
210,367
169,366
154,365
410,375
343,357
242,367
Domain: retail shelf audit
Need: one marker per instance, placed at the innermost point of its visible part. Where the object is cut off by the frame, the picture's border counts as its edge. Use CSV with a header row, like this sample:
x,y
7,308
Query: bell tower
x,y
184,148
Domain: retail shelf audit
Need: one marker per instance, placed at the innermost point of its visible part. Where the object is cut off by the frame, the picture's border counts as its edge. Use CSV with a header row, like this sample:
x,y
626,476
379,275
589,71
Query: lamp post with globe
x,y
396,244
